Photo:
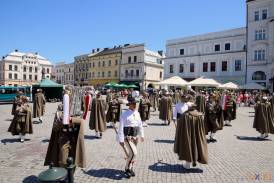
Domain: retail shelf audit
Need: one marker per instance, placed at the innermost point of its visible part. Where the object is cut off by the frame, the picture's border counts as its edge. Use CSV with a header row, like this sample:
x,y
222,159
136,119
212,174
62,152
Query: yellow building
x,y
105,66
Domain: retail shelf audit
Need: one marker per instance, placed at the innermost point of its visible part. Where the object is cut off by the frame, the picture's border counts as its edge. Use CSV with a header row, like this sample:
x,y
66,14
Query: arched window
x,y
259,75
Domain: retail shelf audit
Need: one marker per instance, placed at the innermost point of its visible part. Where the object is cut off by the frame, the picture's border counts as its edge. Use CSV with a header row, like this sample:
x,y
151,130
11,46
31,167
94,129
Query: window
x,y
259,55
181,68
24,68
217,47
135,58
90,64
264,14
98,74
132,73
115,73
181,51
98,64
35,77
24,77
103,64
260,34
205,67
227,46
35,69
160,74
238,65
109,63
15,67
213,67
103,74
10,67
93,64
15,76
126,73
30,69
10,75
109,73
256,15
259,75
30,77
129,60
137,73
192,67
171,67
224,65
93,74
116,62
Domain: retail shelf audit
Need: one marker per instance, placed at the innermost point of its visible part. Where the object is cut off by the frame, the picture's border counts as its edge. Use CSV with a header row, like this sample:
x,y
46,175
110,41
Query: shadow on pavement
x,y
156,124
8,120
14,140
45,140
31,179
251,138
165,141
177,168
90,137
251,116
106,173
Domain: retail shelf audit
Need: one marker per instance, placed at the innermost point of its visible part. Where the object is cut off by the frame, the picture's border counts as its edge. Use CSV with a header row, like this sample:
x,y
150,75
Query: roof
x,y
47,83
174,81
109,51
204,82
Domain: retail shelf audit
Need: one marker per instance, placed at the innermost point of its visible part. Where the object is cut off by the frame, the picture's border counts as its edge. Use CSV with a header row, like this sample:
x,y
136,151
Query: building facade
x,y
218,55
260,42
19,68
64,73
105,66
141,66
81,70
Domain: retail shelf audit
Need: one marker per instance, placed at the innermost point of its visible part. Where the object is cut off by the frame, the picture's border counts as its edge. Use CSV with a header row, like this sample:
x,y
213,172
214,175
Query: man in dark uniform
x,y
166,108
144,108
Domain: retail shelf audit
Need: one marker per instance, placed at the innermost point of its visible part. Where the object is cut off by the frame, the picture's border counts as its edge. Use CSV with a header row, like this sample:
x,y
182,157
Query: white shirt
x,y
66,109
181,108
129,118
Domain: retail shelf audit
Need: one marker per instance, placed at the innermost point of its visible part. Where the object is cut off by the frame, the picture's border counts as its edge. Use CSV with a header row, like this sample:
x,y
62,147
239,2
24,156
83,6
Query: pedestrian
x,y
97,120
263,120
144,109
165,108
200,102
180,108
87,103
39,105
129,129
154,100
114,110
22,121
190,141
15,101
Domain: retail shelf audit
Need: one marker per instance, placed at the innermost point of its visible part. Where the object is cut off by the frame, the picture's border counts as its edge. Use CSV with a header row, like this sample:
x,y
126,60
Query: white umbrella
x,y
204,82
253,86
229,85
174,81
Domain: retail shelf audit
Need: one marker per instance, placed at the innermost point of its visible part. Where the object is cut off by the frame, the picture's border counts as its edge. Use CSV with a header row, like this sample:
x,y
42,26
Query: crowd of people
x,y
197,116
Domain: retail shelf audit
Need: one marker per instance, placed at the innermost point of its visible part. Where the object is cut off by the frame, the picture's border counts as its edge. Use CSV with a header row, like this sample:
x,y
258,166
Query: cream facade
x,y
19,68
141,66
260,42
64,73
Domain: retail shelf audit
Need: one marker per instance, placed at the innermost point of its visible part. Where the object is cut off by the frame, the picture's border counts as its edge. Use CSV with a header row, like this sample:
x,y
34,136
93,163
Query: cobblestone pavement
x,y
237,156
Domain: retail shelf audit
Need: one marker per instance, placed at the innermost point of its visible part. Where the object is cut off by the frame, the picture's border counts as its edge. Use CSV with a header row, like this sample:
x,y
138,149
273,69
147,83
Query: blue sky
x,y
62,29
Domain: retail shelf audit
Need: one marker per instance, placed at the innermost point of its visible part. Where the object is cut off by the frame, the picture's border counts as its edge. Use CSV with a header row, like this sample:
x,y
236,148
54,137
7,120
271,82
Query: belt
x,y
130,131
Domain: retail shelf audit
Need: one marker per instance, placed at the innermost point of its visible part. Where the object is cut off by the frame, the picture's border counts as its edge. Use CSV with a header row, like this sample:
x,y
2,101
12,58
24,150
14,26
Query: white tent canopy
x,y
253,86
174,81
204,82
229,85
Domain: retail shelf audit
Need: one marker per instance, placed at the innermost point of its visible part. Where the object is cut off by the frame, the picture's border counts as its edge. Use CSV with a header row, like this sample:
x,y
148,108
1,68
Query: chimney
x,y
160,52
93,50
36,53
16,50
97,49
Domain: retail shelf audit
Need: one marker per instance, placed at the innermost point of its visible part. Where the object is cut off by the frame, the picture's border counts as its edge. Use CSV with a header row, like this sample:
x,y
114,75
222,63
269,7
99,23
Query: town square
x,y
137,91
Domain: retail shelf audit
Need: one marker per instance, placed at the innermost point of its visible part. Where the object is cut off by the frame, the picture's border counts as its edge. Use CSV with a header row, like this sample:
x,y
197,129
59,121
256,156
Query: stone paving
x,y
237,157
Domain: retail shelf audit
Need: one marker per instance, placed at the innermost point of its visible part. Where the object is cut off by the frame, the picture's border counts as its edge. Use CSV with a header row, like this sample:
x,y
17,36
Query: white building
x,y
140,65
260,42
219,55
64,73
18,68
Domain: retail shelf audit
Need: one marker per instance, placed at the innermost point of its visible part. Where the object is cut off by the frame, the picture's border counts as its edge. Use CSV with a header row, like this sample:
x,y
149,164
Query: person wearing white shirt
x,y
129,129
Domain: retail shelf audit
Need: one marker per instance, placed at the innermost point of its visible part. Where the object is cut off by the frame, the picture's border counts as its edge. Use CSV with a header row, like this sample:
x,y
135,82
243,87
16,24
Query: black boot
x,y
132,172
128,173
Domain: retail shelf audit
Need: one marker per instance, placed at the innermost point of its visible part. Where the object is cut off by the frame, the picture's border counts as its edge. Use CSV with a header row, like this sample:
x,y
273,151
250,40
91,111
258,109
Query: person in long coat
x,y
67,140
229,110
212,118
200,102
144,109
263,120
114,110
15,102
109,98
98,117
39,105
166,108
22,120
154,97
190,141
